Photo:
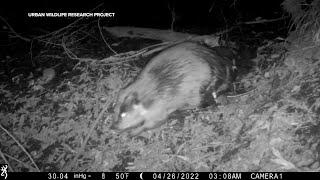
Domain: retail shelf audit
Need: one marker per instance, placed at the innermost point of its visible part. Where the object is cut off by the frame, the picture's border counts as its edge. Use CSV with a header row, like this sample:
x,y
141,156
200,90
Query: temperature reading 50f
x,y
122,175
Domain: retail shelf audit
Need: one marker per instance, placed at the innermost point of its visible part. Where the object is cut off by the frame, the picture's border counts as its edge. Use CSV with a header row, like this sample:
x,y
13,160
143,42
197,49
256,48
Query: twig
x,y
242,94
23,149
13,31
71,55
173,15
110,60
104,40
66,27
6,161
31,58
263,21
23,163
211,7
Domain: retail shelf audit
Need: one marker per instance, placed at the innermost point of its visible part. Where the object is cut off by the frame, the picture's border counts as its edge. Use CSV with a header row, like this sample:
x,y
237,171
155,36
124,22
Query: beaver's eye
x,y
214,95
123,115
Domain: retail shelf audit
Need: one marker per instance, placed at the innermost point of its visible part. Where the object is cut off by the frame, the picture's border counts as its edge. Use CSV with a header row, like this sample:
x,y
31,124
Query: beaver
x,y
184,76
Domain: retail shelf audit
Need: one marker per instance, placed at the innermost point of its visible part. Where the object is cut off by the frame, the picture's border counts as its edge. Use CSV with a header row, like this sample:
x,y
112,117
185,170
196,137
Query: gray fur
x,y
180,77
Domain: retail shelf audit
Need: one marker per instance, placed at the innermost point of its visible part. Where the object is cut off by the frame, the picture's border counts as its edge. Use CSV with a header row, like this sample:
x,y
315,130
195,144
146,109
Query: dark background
x,y
207,15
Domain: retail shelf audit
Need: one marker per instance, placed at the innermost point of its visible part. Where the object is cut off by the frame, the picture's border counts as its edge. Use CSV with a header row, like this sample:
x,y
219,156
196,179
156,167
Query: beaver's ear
x,y
131,99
